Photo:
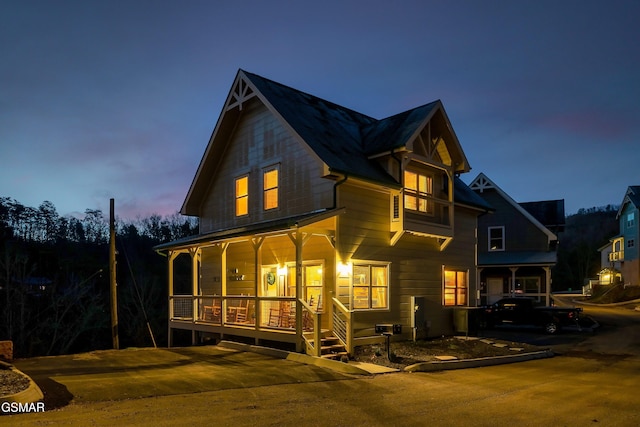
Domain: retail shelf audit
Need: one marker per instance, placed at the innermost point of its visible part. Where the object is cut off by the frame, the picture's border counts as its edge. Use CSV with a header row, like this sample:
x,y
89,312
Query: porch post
x,y
194,253
171,256
299,243
547,288
479,286
223,282
512,288
257,246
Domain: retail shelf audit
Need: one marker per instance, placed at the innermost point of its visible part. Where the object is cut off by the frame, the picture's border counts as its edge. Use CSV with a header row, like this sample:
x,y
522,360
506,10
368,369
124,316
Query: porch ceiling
x,y
266,227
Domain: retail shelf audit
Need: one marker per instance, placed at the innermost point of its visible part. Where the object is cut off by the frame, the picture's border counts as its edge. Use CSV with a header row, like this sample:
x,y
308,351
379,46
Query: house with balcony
x,y
624,256
517,244
318,223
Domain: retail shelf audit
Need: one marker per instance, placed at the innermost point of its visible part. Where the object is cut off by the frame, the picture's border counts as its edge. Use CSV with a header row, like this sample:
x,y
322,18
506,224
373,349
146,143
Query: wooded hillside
x,y
54,279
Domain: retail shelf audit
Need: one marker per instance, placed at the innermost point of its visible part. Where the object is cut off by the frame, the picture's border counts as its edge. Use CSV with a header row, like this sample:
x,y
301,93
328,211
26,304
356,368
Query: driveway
x,y
136,373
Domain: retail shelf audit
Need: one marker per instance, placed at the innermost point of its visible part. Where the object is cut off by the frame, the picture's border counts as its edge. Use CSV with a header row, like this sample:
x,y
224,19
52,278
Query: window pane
x,y
379,276
242,187
271,199
360,297
411,181
242,206
361,275
425,184
378,297
449,279
410,202
271,179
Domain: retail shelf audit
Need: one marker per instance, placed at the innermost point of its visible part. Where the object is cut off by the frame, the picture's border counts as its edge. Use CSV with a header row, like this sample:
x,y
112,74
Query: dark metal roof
x,y
333,132
464,195
506,258
633,192
549,213
254,228
394,132
343,138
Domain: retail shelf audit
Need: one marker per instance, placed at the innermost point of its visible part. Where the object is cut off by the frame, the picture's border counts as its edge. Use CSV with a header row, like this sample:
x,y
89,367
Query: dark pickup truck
x,y
523,311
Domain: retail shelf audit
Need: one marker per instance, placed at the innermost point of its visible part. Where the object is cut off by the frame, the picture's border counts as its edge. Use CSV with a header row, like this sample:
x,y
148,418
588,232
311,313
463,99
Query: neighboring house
x,y
625,246
610,263
318,221
517,244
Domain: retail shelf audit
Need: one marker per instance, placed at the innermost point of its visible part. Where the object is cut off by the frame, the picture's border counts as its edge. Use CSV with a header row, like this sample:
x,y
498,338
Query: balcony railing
x,y
437,221
616,256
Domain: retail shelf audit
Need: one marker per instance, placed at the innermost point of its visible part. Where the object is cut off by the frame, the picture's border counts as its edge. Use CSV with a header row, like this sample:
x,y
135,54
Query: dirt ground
x,y
11,382
405,353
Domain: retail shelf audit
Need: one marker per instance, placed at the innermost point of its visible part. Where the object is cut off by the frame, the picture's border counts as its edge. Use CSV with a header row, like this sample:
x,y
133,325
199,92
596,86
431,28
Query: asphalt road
x,y
593,381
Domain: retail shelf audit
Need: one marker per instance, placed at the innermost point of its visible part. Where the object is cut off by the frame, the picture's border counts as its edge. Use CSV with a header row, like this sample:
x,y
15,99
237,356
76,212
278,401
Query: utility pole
x,y
112,275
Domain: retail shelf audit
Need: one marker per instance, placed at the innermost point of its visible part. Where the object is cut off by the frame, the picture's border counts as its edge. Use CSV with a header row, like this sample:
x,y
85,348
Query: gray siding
x,y
260,141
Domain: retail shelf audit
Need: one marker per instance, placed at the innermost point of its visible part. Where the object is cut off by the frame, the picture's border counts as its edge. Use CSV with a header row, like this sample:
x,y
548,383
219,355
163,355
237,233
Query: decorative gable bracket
x,y
240,94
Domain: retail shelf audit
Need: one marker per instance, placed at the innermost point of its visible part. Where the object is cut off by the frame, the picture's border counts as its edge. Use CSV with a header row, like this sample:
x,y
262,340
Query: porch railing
x,y
263,313
235,310
342,325
181,307
311,328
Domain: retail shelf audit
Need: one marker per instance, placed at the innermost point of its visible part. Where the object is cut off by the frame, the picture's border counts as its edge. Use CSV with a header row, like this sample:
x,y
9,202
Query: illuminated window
x,y
418,190
242,196
455,288
370,286
312,285
631,219
270,187
496,238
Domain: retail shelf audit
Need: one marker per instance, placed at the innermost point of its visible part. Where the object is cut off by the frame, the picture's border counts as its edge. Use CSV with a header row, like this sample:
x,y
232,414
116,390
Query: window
x,y
242,196
370,284
418,190
455,288
312,285
631,219
270,188
631,243
496,238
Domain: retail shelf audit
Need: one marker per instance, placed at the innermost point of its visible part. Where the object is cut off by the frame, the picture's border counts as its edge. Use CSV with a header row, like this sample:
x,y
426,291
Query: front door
x,y
494,289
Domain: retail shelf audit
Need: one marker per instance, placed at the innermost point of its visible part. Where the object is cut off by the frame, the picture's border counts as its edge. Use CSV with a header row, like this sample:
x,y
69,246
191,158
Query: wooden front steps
x,y
330,346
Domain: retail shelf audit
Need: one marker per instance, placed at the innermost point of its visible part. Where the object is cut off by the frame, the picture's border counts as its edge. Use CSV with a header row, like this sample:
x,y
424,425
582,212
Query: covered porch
x,y
268,282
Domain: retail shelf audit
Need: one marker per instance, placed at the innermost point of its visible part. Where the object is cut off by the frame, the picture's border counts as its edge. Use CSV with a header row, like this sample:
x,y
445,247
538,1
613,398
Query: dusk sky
x,y
118,99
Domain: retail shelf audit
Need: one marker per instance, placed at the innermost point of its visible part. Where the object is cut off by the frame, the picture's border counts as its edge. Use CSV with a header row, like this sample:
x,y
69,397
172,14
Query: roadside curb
x,y
477,363
611,304
351,368
32,394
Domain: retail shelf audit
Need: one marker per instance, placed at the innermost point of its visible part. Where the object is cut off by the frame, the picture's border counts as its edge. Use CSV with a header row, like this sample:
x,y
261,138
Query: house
x,y
610,263
318,223
517,244
624,249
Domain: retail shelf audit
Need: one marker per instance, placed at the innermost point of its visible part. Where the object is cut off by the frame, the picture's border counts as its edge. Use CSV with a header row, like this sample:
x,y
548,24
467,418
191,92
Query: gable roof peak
x,y
482,182
632,195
